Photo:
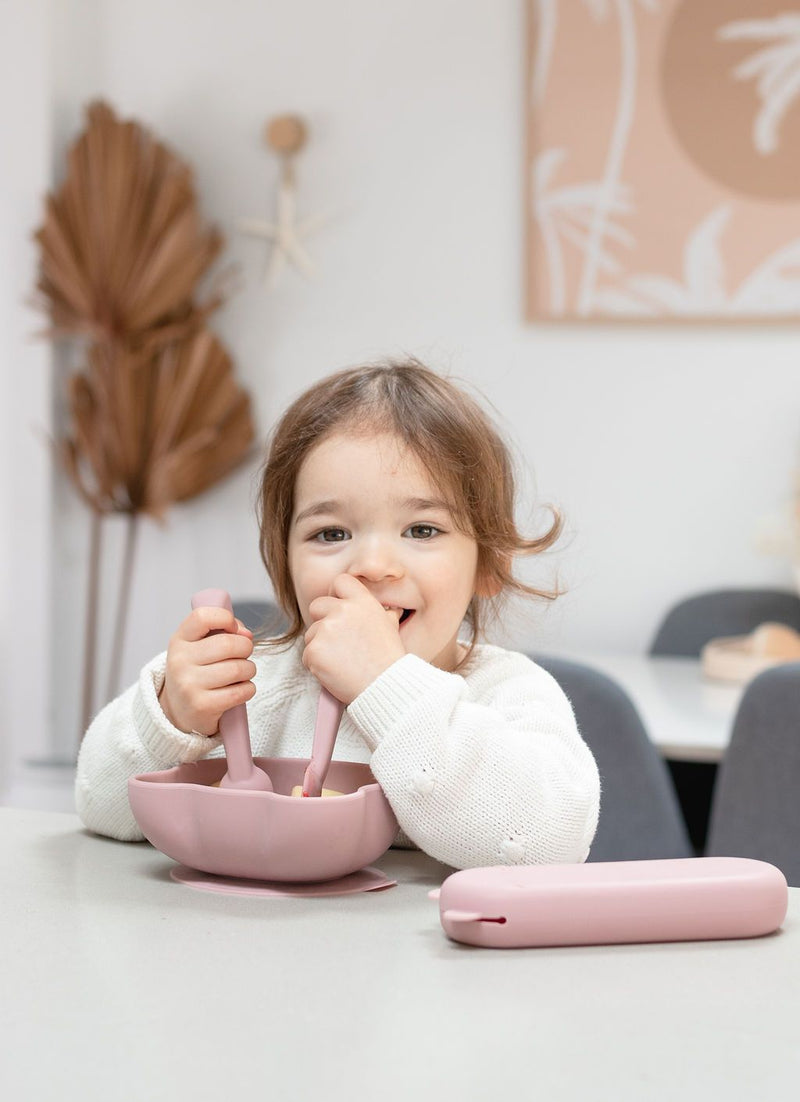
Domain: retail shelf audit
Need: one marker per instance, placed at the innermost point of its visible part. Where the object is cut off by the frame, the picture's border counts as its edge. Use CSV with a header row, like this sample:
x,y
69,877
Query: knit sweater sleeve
x,y
130,735
484,770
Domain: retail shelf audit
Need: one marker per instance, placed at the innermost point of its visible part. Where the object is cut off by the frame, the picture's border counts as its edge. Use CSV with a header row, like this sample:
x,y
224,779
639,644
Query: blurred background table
x,y
687,716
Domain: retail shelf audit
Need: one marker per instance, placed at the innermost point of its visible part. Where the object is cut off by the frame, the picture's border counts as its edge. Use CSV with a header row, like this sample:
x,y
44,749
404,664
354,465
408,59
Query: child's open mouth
x,y
405,613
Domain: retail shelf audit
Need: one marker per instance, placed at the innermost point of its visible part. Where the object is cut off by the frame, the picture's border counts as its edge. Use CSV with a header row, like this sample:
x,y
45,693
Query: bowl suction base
x,y
365,880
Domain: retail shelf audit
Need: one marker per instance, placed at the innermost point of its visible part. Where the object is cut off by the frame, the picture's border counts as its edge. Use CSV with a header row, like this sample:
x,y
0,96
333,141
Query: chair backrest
x,y
260,616
688,626
639,813
755,810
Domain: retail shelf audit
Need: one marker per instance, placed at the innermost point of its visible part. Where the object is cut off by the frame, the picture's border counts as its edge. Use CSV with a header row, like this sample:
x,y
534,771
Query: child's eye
x,y
331,535
422,531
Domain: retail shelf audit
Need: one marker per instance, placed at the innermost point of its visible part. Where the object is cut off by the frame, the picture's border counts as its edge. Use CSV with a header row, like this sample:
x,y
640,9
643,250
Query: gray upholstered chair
x,y
639,813
260,616
756,806
689,625
683,632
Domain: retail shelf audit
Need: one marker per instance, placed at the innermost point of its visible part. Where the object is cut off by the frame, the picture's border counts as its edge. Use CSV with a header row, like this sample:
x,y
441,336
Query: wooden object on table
x,y
739,658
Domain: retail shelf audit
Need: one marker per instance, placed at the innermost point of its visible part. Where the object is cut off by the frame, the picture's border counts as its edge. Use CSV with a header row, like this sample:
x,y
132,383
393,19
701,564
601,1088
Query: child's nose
x,y
375,559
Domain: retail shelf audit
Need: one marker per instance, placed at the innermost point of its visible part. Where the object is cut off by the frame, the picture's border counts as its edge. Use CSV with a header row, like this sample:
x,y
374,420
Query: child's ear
x,y
487,583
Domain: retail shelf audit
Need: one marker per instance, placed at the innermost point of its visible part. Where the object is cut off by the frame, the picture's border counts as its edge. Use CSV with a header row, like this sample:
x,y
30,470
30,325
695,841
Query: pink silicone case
x,y
686,899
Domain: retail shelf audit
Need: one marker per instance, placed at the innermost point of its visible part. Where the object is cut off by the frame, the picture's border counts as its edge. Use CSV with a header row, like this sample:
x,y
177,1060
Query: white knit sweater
x,y
482,767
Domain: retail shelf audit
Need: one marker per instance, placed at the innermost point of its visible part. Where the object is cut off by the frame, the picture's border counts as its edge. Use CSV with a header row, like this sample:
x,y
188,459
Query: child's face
x,y
366,507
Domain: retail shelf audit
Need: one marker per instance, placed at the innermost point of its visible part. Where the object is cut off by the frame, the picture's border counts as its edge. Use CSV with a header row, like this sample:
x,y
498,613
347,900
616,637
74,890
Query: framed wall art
x,y
663,160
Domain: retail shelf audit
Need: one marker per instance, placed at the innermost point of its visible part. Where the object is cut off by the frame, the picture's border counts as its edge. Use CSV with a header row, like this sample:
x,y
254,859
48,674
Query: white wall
x,y
665,446
25,393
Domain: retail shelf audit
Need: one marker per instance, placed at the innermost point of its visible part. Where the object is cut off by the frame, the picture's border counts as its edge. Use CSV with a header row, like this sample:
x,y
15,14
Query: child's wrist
x,y
163,702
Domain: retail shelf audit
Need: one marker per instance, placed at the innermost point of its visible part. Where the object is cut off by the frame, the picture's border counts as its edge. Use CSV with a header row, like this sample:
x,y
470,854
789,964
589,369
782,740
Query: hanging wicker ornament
x,y
286,136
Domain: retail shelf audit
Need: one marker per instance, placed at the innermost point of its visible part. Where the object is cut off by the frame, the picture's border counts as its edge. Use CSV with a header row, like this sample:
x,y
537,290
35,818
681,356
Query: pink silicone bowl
x,y
265,835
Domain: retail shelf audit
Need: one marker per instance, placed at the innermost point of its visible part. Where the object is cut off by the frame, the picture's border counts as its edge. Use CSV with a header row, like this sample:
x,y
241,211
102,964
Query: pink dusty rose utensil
x,y
329,716
233,725
248,824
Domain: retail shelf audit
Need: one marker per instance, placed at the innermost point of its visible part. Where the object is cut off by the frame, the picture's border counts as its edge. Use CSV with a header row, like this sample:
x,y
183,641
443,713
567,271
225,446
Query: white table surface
x,y
688,716
120,984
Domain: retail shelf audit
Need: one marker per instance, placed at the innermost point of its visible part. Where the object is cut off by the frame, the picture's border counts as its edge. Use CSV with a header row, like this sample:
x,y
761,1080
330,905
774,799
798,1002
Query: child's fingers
x,y
194,696
346,585
343,587
219,648
220,674
203,620
230,695
205,719
321,607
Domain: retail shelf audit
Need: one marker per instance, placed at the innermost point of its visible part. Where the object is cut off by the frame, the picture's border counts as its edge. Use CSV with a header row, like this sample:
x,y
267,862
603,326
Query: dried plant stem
x,y
90,633
155,414
123,604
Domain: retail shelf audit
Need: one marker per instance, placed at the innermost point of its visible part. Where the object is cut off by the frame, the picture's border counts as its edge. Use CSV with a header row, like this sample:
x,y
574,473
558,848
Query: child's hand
x,y
352,639
207,674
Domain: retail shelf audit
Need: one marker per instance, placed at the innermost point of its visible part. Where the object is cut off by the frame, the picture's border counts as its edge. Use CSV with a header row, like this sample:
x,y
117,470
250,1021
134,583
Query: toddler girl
x,y
386,514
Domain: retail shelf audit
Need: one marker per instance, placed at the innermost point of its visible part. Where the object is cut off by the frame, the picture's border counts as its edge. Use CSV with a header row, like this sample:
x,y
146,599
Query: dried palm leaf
x,y
148,431
123,245
156,415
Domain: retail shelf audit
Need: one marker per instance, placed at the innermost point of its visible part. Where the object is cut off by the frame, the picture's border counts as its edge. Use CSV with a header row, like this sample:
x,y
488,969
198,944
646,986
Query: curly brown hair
x,y
445,428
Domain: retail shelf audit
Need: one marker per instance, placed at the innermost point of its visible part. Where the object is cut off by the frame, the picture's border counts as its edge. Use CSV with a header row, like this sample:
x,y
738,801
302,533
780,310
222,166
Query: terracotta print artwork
x,y
663,160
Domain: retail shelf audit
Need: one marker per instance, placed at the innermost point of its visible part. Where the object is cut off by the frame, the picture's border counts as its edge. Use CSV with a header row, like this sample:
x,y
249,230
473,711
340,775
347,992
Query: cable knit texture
x,y
482,767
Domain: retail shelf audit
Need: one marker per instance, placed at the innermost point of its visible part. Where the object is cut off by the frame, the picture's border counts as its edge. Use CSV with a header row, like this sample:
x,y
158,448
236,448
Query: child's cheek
x,y
310,579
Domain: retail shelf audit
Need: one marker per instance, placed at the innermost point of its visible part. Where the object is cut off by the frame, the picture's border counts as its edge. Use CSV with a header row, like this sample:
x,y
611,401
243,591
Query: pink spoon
x,y
329,716
233,725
